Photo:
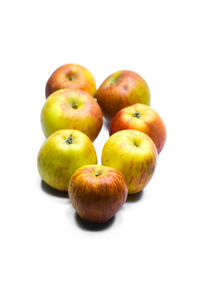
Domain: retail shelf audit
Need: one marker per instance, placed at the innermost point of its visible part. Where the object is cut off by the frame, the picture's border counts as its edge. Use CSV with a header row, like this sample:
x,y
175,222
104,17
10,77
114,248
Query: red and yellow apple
x,y
71,76
71,109
122,89
143,118
132,153
97,192
62,154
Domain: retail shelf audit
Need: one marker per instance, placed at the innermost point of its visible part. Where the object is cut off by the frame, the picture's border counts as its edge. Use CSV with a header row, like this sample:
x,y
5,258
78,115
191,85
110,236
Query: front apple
x,y
97,192
71,76
134,154
62,154
143,118
71,109
122,89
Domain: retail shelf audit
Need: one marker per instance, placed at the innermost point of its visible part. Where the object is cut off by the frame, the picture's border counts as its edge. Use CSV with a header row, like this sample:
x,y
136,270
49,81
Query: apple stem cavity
x,y
74,105
137,114
69,139
70,77
97,173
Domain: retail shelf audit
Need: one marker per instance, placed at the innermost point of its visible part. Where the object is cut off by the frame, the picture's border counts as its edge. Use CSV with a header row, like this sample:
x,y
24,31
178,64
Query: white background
x,y
151,249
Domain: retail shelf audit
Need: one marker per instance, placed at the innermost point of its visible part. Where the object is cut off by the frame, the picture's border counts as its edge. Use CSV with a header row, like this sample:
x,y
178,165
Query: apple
x,y
122,89
62,154
132,153
97,192
142,118
71,76
71,109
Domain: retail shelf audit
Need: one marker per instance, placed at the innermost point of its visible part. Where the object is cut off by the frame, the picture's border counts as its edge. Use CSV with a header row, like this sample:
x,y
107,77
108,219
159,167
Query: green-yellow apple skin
x,y
143,118
62,154
132,153
71,109
122,89
71,76
97,192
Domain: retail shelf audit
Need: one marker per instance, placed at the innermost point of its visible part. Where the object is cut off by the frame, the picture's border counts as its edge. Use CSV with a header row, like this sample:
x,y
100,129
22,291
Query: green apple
x,y
71,76
62,154
97,192
71,109
134,154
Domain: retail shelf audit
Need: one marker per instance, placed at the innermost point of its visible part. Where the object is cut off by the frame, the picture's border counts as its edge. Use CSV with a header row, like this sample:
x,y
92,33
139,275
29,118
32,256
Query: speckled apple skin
x,y
71,76
71,109
134,154
58,160
97,198
122,89
149,122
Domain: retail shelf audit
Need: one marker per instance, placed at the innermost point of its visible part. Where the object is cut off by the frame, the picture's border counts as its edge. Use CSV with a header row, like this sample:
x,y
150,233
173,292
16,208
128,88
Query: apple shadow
x,y
53,192
107,124
89,226
134,197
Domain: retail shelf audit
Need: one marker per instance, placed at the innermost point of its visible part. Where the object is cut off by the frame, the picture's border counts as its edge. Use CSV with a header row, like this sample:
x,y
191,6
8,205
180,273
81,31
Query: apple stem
x,y
69,139
137,114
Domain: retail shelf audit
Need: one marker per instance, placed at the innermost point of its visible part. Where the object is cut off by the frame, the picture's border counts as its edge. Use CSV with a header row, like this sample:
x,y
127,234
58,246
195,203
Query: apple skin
x,y
71,109
122,89
71,76
62,154
132,153
97,192
143,118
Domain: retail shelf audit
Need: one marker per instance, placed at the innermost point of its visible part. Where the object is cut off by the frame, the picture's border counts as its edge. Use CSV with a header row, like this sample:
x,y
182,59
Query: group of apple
x,y
71,120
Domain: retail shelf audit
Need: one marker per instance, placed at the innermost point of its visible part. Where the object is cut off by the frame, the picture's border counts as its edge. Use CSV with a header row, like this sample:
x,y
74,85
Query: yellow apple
x,y
71,109
62,154
132,153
